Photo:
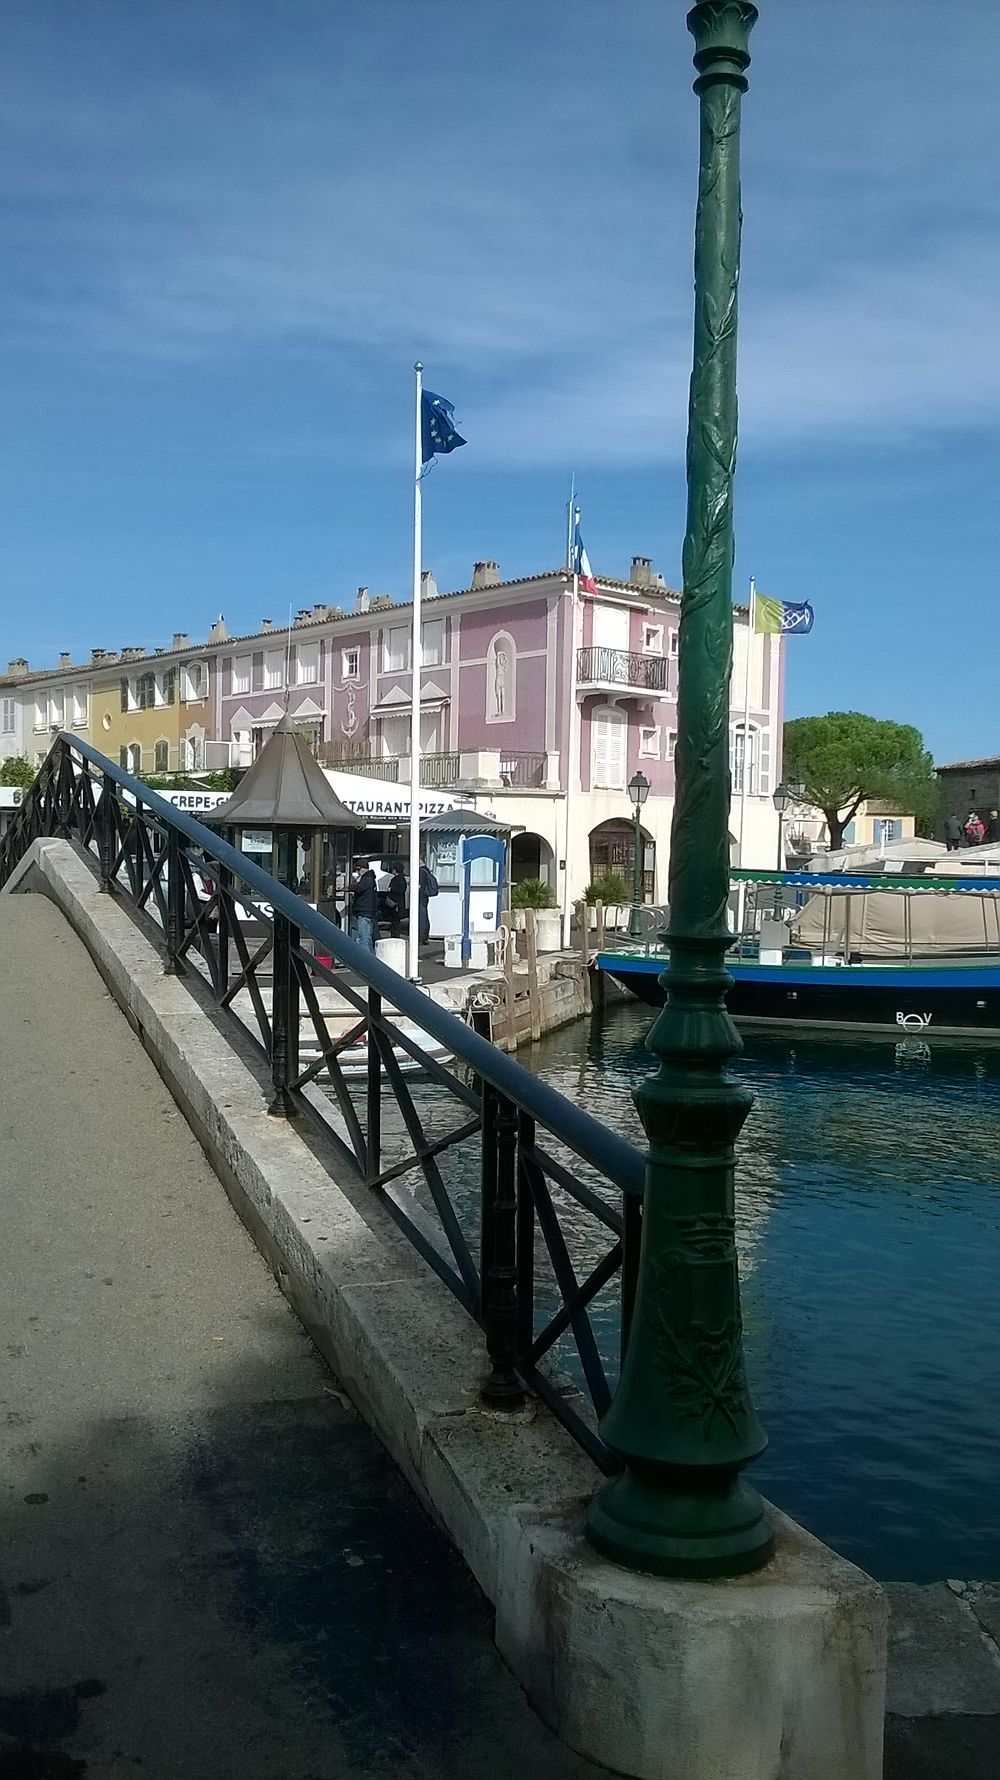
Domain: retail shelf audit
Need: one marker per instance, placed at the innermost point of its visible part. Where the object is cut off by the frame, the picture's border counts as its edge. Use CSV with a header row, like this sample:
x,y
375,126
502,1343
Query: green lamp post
x,y
638,790
682,1421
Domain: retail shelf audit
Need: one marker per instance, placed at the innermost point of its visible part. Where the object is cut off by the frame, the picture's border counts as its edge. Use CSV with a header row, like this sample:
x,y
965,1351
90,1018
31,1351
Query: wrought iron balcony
x,y
521,771
621,669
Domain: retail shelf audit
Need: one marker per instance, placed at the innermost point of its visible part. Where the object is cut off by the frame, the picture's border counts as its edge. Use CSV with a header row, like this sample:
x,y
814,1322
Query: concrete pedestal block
x,y
775,1676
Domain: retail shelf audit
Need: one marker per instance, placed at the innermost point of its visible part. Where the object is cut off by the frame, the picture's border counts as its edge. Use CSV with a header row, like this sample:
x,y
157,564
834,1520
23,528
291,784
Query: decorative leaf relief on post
x,y
700,1354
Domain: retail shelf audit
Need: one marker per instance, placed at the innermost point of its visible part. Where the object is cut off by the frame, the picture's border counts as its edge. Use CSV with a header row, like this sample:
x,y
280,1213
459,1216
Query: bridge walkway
x,y
209,1568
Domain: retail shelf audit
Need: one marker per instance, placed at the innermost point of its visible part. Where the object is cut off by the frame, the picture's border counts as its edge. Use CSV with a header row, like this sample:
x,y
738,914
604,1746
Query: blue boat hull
x,y
945,999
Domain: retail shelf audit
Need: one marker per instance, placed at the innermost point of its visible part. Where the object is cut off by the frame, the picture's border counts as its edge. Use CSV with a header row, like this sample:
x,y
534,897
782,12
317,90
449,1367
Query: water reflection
x,y
869,1230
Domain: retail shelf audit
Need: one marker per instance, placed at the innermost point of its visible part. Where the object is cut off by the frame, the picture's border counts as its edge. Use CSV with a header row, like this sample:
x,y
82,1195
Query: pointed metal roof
x,y
286,788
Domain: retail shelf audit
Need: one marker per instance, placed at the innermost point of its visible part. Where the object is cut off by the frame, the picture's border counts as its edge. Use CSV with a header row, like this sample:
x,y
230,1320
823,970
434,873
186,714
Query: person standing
x,y
364,904
426,888
993,828
396,896
973,830
952,833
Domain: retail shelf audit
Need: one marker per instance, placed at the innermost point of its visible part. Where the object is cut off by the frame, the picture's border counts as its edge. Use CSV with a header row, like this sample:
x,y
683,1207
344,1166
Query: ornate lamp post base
x,y
672,1524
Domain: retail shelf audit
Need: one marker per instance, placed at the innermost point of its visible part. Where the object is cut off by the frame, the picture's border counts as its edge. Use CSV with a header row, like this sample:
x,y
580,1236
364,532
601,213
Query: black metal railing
x,y
552,1226
521,771
622,667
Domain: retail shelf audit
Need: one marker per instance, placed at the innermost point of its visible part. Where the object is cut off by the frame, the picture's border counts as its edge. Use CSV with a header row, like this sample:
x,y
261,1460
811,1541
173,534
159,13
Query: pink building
x,y
537,699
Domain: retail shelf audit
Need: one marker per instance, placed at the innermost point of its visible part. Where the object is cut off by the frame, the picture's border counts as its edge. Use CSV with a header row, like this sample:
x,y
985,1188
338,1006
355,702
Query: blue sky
x,y
229,229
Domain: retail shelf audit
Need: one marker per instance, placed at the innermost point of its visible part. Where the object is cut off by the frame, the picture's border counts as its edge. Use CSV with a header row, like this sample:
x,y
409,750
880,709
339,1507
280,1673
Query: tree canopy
x,y
17,772
845,758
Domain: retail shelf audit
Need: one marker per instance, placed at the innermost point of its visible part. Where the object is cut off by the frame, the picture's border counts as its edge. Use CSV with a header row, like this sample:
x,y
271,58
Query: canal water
x,y
868,1201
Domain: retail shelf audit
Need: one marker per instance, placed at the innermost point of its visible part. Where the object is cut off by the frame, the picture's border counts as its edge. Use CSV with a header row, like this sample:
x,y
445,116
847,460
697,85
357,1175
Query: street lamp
x,y
782,799
638,790
682,1421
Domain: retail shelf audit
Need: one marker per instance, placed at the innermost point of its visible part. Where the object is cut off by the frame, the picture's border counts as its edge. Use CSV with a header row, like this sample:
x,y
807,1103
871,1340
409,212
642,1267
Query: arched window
x,y
750,753
161,757
501,679
135,759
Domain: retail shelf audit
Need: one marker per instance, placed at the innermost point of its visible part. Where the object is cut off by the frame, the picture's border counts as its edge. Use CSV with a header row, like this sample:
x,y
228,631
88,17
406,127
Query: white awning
x,y
385,801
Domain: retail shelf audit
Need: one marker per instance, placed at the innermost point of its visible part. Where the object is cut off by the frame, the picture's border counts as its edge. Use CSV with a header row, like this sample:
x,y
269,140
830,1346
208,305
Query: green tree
x,y
17,772
846,758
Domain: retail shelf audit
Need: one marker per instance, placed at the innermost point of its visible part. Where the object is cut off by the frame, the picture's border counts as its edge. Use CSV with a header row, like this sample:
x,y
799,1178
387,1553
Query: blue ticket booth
x,y
468,854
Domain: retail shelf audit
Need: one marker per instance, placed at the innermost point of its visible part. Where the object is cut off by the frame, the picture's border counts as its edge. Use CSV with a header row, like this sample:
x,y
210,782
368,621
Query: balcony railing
x,y
522,772
439,769
368,765
622,667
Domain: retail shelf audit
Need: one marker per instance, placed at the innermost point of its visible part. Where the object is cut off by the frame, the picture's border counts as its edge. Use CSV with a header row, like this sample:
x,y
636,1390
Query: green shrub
x,y
531,893
610,887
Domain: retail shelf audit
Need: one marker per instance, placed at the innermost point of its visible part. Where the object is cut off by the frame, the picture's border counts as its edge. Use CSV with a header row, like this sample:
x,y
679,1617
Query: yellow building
x,y
151,713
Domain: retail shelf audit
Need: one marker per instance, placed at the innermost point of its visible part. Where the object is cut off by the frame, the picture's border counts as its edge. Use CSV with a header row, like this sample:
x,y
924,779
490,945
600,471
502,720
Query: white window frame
x,y
652,639
438,657
649,741
759,781
81,707
242,675
671,743
41,712
274,669
135,758
8,719
57,709
307,664
674,645
389,664
350,663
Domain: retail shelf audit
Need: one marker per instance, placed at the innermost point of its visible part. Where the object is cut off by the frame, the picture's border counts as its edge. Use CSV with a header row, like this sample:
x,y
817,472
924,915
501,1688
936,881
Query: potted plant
x,y
532,893
610,889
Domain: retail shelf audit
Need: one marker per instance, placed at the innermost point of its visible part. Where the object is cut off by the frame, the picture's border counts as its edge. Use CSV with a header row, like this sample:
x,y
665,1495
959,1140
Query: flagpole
x,y
745,772
572,745
569,520
413,950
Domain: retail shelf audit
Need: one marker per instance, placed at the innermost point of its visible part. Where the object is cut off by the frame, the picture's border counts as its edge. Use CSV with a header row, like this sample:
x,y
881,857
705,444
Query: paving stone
x,y
939,1658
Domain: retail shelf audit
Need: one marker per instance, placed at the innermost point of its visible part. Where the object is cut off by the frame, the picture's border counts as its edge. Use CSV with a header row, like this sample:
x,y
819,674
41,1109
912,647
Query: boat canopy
x,y
849,883
877,924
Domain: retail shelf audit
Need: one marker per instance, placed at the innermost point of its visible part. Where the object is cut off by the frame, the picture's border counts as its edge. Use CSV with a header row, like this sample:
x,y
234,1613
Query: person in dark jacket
x,y
952,833
364,903
396,897
993,828
426,888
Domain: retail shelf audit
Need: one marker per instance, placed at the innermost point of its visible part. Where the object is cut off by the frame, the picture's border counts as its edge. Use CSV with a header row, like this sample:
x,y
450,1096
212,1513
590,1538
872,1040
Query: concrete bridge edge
x,y
778,1676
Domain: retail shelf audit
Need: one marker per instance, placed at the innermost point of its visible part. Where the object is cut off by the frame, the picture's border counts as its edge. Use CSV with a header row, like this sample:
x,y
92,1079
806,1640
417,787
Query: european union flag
x,y
438,435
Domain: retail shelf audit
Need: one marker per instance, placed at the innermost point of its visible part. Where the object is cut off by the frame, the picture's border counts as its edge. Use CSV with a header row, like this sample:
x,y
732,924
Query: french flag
x,y
581,561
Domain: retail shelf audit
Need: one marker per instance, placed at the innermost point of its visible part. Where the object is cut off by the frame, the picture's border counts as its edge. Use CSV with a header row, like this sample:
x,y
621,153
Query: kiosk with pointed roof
x,y
286,793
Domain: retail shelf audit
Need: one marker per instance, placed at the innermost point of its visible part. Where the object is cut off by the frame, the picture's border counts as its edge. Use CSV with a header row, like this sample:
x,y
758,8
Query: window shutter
x,y
124,685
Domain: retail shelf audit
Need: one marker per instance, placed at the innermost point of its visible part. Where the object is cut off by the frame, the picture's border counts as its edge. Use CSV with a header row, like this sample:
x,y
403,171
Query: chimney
x,y
127,654
65,659
265,624
17,668
428,585
219,633
181,640
641,572
362,600
320,610
486,574
303,615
